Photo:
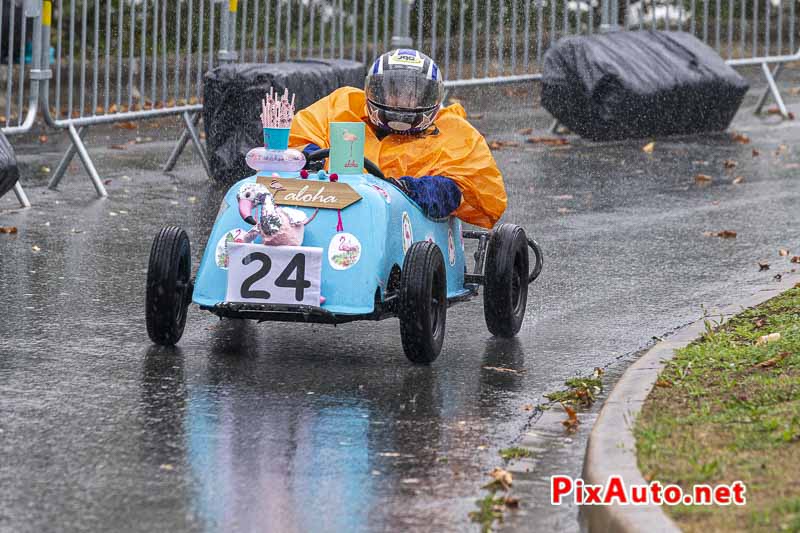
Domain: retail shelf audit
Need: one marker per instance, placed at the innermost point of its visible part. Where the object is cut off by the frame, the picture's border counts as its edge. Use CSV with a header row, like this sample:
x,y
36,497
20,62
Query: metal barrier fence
x,y
127,60
21,69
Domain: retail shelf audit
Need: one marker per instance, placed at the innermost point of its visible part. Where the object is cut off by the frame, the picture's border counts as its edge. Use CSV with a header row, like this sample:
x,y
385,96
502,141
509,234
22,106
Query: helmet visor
x,y
405,90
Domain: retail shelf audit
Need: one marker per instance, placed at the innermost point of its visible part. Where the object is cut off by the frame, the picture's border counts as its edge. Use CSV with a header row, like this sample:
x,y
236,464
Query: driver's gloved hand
x,y
315,165
438,196
310,149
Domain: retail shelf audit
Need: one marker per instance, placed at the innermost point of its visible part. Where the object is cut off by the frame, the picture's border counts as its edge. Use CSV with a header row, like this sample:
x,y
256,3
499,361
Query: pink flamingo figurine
x,y
277,226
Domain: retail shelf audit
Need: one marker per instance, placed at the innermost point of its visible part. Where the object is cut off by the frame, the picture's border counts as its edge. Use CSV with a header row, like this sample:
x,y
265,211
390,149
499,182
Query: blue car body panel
x,y
376,220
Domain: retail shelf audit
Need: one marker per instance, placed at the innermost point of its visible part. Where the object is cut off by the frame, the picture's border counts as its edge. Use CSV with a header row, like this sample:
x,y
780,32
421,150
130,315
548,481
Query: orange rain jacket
x,y
457,152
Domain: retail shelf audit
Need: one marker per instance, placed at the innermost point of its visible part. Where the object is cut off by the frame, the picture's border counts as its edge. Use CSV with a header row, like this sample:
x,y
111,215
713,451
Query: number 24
x,y
299,283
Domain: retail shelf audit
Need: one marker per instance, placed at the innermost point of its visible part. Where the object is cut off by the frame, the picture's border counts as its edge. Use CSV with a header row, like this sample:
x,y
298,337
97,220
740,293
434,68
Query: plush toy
x,y
277,226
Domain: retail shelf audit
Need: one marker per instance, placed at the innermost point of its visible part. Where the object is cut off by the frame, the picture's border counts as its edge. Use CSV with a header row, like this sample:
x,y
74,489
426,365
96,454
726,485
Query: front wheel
x,y
168,286
506,280
423,302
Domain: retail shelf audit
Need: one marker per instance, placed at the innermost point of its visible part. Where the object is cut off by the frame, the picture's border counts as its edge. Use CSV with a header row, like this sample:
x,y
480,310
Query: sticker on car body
x,y
408,232
344,251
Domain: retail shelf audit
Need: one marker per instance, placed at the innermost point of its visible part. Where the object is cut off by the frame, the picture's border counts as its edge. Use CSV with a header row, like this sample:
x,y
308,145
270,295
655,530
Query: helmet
x,y
404,91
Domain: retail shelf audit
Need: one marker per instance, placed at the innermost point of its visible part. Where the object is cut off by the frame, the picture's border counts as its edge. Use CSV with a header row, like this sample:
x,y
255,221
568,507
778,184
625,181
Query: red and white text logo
x,y
616,492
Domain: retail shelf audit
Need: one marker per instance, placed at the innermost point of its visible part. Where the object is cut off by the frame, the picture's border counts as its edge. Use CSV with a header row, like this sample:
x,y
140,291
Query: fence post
x,y
227,38
401,37
609,13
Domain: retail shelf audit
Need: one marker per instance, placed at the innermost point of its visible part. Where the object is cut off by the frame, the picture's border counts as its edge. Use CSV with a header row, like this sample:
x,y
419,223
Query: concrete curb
x,y
611,449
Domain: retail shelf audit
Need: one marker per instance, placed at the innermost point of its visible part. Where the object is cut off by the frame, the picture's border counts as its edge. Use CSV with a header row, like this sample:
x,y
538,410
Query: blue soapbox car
x,y
377,257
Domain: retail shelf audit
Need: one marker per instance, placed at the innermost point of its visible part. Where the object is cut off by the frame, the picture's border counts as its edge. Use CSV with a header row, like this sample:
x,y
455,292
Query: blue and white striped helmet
x,y
404,91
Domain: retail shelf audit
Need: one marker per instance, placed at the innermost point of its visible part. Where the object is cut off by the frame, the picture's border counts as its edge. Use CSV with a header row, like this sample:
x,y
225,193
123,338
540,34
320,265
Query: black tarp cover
x,y
9,173
634,84
232,104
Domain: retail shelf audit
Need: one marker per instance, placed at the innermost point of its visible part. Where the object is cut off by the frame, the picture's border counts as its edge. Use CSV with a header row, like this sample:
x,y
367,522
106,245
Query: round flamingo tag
x,y
344,251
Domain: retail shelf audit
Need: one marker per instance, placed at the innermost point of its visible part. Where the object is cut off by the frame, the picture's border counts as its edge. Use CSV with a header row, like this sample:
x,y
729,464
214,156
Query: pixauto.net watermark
x,y
565,489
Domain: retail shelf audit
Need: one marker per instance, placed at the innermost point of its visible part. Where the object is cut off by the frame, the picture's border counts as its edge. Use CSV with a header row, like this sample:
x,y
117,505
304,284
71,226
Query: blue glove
x,y
436,195
310,149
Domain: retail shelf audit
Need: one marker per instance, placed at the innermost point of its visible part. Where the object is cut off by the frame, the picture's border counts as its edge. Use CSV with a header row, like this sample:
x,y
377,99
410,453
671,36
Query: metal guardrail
x,y
129,60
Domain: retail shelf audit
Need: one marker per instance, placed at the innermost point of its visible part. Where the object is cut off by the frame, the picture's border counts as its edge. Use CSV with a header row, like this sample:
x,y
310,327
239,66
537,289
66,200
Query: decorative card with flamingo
x,y
347,147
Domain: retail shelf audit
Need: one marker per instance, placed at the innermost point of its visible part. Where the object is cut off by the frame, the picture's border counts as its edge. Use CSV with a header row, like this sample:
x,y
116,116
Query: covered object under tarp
x,y
639,84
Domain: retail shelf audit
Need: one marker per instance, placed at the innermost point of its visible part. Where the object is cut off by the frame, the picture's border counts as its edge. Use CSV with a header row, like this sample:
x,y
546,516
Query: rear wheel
x,y
168,286
506,280
423,302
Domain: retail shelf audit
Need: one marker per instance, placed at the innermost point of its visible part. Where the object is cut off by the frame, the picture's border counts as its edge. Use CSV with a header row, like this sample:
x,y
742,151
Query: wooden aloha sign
x,y
310,192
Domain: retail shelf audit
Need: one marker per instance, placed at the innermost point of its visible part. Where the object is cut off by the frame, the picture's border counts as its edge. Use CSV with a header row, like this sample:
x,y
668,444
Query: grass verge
x,y
726,408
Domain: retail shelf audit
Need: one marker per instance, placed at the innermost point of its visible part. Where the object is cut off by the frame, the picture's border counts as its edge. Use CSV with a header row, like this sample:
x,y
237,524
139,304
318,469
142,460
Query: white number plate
x,y
274,274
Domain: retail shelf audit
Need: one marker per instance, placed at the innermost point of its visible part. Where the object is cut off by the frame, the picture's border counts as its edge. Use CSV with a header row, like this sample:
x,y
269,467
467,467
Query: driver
x,y
444,164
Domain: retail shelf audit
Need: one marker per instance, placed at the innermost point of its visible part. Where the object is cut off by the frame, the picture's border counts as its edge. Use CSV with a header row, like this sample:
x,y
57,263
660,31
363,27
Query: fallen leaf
x,y
766,339
511,502
35,248
762,266
729,163
125,125
118,147
783,252
795,259
703,179
571,423
8,229
497,145
501,369
756,153
772,361
528,407
167,467
724,234
775,111
740,138
552,141
760,323
192,199
107,182
476,116
525,131
663,383
501,477
649,147
563,210
781,149
42,139
738,179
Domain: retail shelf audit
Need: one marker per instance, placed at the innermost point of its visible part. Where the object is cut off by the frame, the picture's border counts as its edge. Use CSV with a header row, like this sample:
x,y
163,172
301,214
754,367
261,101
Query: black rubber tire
x,y
169,286
423,302
506,280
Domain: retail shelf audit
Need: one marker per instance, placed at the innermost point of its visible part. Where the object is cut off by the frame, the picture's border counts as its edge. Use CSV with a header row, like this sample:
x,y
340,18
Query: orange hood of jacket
x,y
457,151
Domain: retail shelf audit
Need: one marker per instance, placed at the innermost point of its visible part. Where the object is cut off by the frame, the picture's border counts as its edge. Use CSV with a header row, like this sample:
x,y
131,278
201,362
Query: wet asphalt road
x,y
287,427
